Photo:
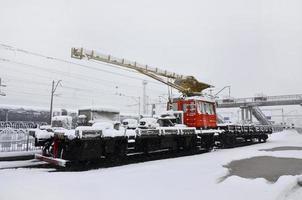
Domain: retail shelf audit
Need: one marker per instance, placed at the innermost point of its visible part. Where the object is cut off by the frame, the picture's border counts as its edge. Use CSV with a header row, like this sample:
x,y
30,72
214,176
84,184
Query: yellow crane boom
x,y
187,85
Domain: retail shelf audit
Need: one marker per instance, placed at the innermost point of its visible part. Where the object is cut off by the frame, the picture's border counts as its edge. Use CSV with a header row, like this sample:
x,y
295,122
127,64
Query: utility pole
x,y
144,97
139,107
1,85
153,110
53,90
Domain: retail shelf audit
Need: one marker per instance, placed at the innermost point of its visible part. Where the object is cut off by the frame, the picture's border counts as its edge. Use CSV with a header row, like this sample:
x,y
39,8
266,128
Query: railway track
x,y
112,162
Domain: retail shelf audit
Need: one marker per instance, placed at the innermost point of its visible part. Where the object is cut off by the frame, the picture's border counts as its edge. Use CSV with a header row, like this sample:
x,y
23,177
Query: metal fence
x,y
14,136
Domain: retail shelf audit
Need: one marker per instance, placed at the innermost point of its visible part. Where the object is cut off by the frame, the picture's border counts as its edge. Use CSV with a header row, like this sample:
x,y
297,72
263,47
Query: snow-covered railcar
x,y
106,139
233,135
85,143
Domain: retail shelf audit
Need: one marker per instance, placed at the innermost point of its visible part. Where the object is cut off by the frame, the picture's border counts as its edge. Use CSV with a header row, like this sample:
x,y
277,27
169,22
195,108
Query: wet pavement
x,y
284,148
267,167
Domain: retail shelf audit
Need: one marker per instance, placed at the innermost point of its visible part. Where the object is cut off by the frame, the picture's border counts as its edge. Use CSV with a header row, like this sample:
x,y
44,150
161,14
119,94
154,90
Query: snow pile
x,y
102,125
148,123
42,134
108,129
70,134
62,121
86,132
130,123
113,133
62,118
103,129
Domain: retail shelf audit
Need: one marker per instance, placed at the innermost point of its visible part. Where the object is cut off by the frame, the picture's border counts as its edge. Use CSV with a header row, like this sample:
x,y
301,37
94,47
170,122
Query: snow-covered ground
x,y
18,153
191,177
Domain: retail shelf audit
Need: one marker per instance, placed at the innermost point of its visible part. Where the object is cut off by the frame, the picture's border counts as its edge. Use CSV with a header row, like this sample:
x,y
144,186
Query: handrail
x,y
260,99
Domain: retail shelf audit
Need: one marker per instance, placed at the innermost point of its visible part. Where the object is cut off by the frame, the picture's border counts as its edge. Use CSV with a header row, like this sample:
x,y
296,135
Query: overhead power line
x,y
71,75
11,48
97,93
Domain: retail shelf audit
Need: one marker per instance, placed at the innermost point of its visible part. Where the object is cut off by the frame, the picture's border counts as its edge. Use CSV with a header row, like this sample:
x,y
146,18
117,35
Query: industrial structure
x,y
251,106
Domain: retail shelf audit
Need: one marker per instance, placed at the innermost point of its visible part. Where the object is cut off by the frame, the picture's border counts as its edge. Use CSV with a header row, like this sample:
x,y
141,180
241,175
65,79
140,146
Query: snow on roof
x,y
101,109
103,125
83,128
61,118
167,117
30,108
130,120
129,115
201,98
173,112
148,120
12,107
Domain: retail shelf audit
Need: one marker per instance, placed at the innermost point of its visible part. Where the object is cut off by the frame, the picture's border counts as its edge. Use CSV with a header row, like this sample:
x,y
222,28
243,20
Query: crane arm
x,y
187,85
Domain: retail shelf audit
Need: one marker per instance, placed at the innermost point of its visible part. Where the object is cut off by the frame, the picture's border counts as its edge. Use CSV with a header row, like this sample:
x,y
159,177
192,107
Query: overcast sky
x,y
253,45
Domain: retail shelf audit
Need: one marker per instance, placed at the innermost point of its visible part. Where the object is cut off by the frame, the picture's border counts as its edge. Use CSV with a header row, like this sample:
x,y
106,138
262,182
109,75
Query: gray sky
x,y
255,46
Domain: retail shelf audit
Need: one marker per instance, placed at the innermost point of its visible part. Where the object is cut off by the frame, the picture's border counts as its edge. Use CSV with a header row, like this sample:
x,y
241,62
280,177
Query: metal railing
x,y
14,136
261,98
20,124
266,100
260,116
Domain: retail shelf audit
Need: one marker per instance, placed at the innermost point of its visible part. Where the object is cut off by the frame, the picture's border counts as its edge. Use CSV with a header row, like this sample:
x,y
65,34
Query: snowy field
x,y
191,177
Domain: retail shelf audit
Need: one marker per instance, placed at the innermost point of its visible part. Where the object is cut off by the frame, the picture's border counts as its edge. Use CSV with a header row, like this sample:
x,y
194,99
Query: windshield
x,y
165,122
57,123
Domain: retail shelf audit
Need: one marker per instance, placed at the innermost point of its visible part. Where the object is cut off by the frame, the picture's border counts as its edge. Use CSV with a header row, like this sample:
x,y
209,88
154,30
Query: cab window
x,y
201,107
207,108
189,107
212,109
192,107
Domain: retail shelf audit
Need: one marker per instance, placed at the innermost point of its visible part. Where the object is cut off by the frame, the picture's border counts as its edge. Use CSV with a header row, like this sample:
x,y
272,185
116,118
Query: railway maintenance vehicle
x,y
189,124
